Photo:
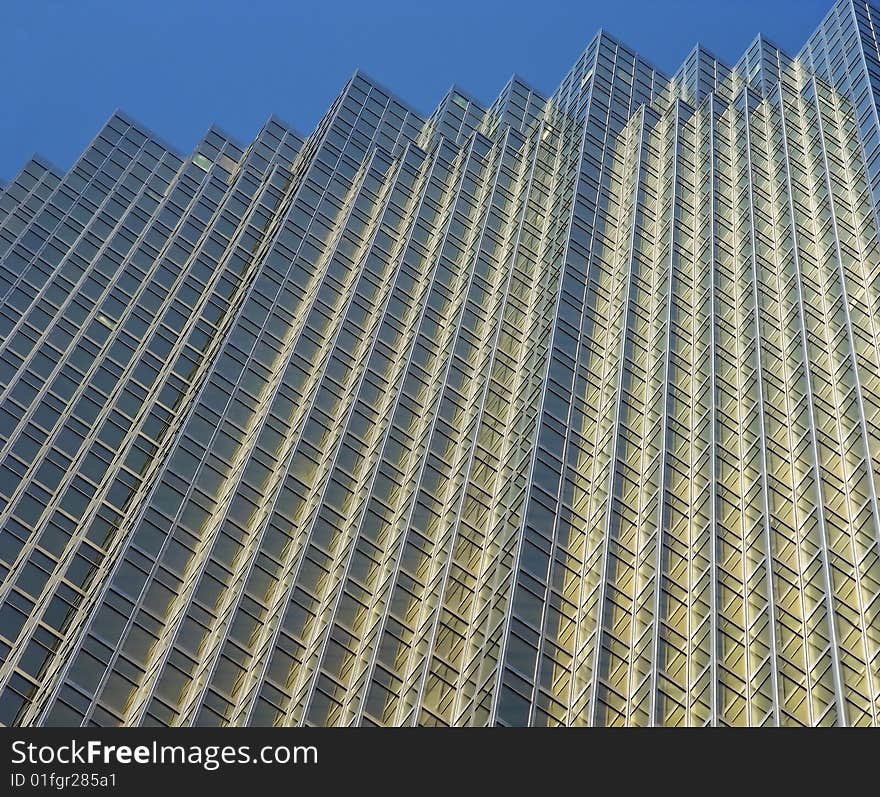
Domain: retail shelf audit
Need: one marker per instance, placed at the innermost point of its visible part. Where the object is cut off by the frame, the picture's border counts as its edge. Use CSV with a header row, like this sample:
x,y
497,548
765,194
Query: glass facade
x,y
561,411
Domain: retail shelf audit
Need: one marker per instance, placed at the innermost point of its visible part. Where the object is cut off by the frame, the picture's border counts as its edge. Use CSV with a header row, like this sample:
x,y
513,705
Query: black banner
x,y
416,760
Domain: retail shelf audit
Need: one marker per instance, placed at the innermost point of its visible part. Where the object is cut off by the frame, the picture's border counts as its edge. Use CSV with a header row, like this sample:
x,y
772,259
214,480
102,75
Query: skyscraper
x,y
562,411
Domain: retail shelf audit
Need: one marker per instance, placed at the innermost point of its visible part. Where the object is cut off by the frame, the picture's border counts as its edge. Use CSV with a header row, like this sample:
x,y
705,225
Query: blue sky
x,y
179,65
